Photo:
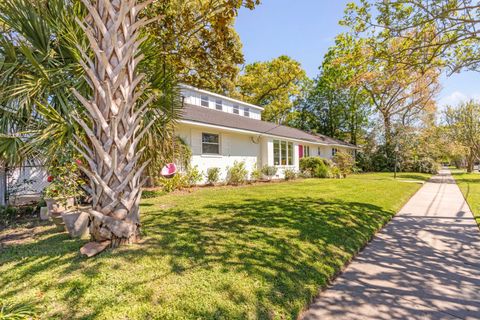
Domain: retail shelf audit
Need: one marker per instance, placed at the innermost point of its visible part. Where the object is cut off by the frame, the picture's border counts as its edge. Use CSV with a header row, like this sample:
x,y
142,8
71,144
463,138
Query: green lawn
x,y
469,183
254,252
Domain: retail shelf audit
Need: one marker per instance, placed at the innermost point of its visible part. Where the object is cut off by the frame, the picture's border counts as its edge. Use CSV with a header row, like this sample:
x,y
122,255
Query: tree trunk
x,y
388,130
470,162
113,125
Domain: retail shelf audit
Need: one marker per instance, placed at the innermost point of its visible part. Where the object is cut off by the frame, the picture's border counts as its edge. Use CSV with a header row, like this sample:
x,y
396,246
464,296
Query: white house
x,y
221,130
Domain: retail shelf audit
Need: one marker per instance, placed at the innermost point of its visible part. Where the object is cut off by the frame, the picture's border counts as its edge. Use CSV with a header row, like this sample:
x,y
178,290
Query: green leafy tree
x,y
464,126
197,41
441,32
401,99
112,116
274,85
344,162
339,107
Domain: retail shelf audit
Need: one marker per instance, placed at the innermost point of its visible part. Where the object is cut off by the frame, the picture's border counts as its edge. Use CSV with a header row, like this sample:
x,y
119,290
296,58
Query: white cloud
x,y
456,98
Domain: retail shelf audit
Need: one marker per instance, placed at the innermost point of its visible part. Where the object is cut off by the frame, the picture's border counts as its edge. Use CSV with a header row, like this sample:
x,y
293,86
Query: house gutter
x,y
202,124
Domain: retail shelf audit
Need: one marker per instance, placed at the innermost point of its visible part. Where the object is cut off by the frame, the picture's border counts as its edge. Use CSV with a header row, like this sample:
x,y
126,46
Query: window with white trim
x,y
236,109
204,102
246,112
282,153
218,104
306,151
319,152
334,151
210,143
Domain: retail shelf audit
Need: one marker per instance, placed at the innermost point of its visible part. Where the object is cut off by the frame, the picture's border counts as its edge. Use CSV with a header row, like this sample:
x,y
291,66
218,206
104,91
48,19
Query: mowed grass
x,y
469,183
252,252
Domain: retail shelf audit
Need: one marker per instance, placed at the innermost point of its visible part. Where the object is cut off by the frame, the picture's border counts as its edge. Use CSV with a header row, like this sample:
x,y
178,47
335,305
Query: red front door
x,y
300,151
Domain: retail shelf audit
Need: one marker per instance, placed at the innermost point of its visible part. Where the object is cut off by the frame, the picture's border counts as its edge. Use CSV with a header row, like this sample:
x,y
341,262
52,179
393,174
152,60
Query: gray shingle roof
x,y
229,120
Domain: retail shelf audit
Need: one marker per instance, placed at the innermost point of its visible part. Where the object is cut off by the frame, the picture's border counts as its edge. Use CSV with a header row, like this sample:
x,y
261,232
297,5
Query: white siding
x,y
195,98
241,147
233,147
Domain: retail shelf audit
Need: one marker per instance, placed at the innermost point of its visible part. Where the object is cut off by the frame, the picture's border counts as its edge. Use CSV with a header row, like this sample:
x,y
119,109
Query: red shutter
x,y
300,151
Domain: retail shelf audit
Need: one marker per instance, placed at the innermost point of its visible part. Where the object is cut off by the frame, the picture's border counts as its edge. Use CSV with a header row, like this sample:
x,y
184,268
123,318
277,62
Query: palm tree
x,y
110,117
112,152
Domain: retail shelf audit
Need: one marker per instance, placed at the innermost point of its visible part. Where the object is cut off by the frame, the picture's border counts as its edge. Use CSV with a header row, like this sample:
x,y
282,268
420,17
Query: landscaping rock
x,y
58,220
76,223
93,248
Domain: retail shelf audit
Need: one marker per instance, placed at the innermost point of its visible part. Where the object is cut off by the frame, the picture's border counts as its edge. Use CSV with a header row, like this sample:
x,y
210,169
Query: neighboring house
x,y
221,130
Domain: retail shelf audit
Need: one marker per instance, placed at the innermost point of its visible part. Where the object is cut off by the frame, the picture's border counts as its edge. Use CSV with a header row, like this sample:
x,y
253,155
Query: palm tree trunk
x,y
113,125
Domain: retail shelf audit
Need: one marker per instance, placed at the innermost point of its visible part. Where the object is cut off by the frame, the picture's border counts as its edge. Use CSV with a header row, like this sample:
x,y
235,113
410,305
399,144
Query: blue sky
x,y
304,29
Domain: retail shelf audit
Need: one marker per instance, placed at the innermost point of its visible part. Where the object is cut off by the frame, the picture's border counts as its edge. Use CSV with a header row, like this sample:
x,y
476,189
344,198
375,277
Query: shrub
x,y
335,172
193,176
237,174
213,175
321,171
290,174
423,165
344,162
269,171
256,174
177,182
308,165
65,180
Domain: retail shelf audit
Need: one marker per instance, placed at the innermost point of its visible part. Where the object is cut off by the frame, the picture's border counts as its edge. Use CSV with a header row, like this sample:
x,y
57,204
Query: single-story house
x,y
221,130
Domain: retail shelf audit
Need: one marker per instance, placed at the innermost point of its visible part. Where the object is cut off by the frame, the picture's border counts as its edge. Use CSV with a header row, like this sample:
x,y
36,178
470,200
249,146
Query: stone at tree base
x,y
93,248
44,214
58,220
76,223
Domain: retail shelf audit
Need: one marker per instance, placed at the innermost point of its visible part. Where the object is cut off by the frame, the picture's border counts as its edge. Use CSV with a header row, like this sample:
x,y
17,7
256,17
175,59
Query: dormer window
x,y
204,101
246,112
236,110
218,104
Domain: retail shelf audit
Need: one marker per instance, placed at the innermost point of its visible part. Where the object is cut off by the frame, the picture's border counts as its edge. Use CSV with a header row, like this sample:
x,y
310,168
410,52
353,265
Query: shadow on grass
x,y
413,176
295,245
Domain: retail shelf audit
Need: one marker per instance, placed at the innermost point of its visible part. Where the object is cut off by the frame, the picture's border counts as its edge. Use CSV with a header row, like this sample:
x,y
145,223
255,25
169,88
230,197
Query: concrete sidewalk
x,y
425,264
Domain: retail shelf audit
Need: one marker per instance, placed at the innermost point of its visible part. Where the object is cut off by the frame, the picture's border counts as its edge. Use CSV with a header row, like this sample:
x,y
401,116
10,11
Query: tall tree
x,y
464,126
40,62
399,92
341,108
113,120
274,85
197,39
440,31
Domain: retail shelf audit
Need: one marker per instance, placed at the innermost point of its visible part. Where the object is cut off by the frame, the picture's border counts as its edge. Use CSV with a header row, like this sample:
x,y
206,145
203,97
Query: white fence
x,y
22,184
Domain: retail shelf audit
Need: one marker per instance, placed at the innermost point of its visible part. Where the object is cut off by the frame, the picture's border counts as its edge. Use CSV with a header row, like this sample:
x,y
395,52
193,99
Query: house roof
x,y
229,120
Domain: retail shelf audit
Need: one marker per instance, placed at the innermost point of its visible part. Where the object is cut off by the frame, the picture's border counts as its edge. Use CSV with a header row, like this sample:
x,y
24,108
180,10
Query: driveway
x,y
425,264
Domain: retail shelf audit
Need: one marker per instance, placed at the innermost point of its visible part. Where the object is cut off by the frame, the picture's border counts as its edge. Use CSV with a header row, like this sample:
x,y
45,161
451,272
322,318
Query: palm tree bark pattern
x,y
113,123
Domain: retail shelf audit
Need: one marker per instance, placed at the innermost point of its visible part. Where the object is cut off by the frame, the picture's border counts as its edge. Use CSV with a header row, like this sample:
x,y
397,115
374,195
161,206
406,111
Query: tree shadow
x,y
406,273
291,245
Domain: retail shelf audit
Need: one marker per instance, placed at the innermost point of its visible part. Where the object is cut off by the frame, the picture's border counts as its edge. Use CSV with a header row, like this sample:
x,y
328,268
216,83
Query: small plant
x,y
321,171
213,175
65,181
256,174
193,176
12,311
290,174
269,171
237,174
177,182
344,162
335,172
7,215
